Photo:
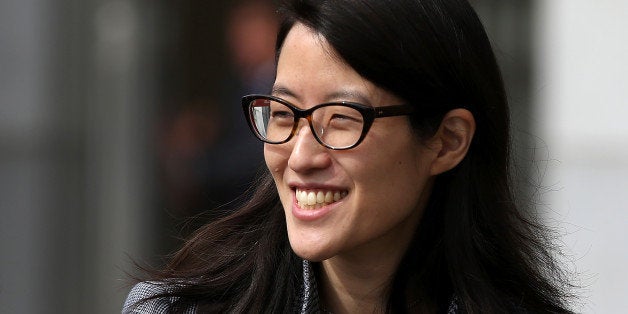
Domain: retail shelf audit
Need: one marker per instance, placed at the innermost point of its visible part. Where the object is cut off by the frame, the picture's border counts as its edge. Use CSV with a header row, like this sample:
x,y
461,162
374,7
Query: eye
x,y
348,118
281,114
279,111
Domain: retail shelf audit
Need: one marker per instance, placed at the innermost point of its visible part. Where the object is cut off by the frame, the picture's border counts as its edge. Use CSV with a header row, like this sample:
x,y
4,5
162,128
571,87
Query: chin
x,y
311,252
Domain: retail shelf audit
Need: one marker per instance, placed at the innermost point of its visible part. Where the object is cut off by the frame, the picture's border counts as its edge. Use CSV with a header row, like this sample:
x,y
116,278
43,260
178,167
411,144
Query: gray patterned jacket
x,y
308,301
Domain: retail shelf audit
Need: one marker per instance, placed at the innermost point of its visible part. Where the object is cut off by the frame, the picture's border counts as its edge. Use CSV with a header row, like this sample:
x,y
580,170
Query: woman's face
x,y
380,187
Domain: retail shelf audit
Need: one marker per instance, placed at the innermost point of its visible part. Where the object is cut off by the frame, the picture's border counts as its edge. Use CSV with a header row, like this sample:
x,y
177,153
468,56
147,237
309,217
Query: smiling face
x,y
368,199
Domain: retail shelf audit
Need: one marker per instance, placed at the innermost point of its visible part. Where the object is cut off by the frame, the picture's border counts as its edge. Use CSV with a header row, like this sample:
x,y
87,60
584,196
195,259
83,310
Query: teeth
x,y
329,197
320,197
311,198
316,199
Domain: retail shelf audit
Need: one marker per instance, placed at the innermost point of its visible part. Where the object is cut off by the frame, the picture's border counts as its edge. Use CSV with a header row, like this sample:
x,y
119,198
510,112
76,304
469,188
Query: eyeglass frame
x,y
369,114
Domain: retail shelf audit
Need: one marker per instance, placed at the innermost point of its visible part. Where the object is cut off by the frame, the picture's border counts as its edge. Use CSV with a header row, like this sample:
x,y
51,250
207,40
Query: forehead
x,y
304,44
309,66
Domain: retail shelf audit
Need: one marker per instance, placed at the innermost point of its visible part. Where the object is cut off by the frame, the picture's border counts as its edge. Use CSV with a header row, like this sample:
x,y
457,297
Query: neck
x,y
350,290
359,282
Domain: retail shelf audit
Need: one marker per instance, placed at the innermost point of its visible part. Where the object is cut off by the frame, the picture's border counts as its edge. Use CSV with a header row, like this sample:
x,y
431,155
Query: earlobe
x,y
454,135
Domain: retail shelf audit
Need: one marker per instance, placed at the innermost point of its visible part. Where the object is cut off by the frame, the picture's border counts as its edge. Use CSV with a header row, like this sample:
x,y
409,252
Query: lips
x,y
313,199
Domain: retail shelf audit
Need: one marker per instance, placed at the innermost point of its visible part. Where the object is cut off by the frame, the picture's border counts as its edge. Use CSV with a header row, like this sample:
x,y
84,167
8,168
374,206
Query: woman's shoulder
x,y
146,297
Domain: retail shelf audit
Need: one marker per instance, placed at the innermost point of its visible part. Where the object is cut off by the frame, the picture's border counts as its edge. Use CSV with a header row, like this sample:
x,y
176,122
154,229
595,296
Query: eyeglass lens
x,y
336,126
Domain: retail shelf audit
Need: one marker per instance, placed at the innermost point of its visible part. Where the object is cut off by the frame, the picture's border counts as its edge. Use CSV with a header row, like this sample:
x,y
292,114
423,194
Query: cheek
x,y
400,180
276,158
393,175
276,162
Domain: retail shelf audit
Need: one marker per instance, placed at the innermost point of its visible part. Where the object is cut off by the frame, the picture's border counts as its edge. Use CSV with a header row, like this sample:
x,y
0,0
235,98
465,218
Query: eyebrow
x,y
339,95
349,94
279,90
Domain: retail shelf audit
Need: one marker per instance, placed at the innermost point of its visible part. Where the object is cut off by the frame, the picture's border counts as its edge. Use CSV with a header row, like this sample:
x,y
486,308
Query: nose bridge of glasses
x,y
303,121
310,122
305,135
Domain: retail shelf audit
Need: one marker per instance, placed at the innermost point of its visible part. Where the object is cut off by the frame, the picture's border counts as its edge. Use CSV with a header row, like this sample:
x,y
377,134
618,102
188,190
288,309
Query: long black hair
x,y
472,244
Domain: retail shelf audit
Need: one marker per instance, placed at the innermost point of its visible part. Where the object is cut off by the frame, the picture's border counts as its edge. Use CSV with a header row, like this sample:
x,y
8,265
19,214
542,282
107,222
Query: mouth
x,y
314,199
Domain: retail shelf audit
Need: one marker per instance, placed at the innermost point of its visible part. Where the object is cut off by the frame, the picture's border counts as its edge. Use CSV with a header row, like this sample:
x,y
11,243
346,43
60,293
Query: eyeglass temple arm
x,y
402,110
391,111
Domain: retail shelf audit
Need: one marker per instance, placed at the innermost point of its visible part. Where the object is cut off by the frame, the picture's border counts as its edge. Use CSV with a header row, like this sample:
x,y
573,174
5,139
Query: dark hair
x,y
472,242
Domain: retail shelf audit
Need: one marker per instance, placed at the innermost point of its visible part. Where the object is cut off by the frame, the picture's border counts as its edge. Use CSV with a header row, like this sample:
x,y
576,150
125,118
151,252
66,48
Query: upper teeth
x,y
312,198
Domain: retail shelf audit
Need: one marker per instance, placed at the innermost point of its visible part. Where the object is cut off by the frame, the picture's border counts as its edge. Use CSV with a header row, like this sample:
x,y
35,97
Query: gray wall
x,y
75,114
581,105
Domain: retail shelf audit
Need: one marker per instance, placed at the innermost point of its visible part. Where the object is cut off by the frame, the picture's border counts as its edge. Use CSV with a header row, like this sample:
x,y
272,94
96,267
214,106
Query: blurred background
x,y
119,119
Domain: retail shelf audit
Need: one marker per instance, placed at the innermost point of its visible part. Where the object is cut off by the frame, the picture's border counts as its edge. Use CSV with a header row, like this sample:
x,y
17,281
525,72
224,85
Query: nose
x,y
307,153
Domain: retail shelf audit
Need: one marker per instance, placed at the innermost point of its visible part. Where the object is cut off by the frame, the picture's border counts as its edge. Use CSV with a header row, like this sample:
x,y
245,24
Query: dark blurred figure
x,y
208,153
251,31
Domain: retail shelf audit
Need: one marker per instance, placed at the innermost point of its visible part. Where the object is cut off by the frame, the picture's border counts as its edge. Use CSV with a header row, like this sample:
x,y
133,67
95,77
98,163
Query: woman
x,y
386,187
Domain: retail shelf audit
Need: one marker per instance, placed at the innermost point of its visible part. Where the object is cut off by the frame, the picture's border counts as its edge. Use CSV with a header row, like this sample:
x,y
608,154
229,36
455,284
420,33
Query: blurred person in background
x,y
208,157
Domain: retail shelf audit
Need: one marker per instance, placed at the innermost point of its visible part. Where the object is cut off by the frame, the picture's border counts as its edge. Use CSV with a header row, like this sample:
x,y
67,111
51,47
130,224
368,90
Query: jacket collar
x,y
309,294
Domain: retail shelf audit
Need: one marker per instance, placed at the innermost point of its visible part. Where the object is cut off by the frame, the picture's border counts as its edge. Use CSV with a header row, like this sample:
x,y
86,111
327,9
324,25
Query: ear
x,y
452,140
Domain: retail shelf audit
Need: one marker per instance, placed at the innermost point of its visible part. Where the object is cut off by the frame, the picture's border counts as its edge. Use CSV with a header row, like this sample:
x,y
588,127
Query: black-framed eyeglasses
x,y
335,125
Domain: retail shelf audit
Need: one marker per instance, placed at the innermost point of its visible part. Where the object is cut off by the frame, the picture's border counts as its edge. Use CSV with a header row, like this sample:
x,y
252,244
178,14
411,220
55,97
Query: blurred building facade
x,y
107,107
581,102
78,91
